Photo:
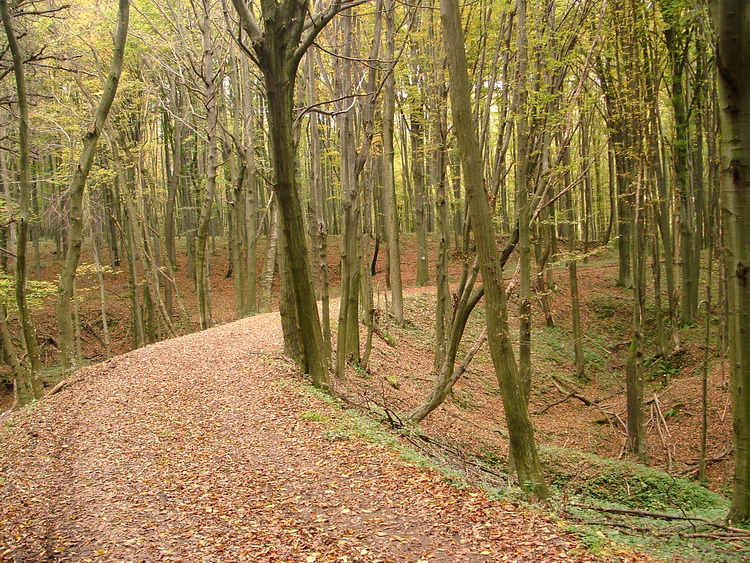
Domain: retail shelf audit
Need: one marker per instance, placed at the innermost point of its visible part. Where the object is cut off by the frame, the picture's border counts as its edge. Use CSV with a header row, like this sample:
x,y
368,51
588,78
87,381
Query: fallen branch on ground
x,y
723,456
60,386
664,516
555,403
573,393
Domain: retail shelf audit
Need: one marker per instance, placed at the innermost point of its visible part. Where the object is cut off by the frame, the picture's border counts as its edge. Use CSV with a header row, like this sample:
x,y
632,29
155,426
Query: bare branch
x,y
318,21
314,107
50,13
247,21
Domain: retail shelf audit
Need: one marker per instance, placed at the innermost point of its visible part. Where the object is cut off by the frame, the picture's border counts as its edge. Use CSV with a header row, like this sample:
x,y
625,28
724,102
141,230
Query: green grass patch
x,y
552,344
596,354
313,416
605,307
622,483
586,486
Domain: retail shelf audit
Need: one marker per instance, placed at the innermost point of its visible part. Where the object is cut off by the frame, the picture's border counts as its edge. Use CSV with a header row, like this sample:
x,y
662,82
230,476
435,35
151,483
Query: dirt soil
x,y
139,457
472,421
209,448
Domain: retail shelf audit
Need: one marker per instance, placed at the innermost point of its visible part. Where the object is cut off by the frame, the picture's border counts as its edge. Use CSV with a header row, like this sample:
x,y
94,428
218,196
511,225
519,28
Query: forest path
x,y
207,447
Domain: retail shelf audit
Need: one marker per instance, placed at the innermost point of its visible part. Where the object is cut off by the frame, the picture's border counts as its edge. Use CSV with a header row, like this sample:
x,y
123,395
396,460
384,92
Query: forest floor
x,y
191,407
208,447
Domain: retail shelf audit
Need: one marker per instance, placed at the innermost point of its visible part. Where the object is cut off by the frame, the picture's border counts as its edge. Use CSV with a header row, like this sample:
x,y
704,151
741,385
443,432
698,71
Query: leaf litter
x,y
203,448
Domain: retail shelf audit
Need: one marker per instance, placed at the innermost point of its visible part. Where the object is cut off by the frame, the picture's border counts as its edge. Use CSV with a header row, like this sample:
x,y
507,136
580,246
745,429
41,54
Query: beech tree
x,y
388,199
732,18
678,34
521,430
277,36
77,186
210,78
28,378
198,138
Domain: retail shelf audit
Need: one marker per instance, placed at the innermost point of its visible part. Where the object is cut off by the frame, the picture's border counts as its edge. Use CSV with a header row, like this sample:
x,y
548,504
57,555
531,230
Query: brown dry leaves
x,y
202,448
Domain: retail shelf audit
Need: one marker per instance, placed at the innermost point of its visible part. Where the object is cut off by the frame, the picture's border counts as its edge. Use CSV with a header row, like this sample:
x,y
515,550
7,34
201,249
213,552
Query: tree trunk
x,y
416,136
279,88
523,209
733,64
521,430
251,196
443,306
293,345
269,263
319,229
390,210
688,248
202,266
634,367
77,185
280,107
102,295
278,55
350,265
24,384
575,302
24,313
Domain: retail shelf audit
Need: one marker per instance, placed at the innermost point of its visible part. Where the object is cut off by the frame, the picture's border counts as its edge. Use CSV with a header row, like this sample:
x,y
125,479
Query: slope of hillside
x,y
208,448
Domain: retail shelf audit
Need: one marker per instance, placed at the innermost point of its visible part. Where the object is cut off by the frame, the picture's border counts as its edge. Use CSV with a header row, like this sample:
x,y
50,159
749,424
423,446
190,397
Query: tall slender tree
x,y
77,186
210,78
389,206
522,443
31,378
732,18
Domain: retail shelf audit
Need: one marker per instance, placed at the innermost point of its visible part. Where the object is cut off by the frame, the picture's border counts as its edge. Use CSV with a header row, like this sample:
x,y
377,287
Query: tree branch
x,y
247,21
317,22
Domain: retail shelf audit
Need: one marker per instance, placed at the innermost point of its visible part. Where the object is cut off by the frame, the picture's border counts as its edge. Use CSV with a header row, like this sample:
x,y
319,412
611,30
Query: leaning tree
x,y
521,430
77,187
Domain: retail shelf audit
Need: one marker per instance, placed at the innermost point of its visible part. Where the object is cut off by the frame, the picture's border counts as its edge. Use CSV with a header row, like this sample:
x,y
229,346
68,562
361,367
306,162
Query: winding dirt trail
x,y
208,448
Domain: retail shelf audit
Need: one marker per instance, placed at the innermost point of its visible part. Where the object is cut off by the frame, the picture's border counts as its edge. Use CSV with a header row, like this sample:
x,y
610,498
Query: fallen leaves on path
x,y
206,448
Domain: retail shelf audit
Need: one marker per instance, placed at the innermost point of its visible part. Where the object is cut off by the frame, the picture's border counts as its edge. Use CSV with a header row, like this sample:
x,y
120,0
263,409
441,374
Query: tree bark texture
x,y
278,48
390,210
31,375
521,430
733,63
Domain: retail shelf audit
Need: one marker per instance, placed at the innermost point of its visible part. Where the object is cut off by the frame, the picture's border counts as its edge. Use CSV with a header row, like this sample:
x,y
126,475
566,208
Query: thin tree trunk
x,y
102,294
390,211
443,306
705,366
416,137
676,35
76,190
575,301
634,367
318,203
128,225
522,443
202,266
350,263
269,268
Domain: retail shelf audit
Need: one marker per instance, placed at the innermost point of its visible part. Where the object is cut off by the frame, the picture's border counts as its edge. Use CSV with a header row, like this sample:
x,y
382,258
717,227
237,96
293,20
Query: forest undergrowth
x,y
579,422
